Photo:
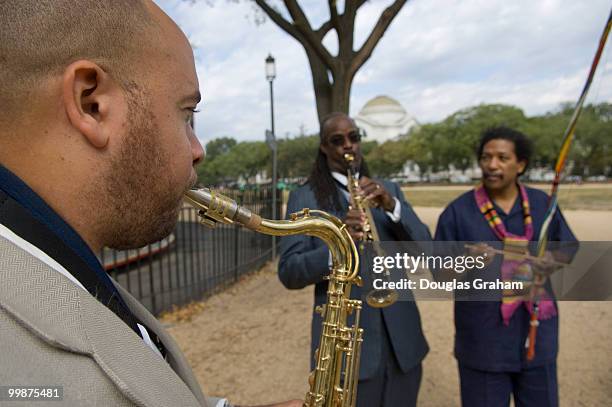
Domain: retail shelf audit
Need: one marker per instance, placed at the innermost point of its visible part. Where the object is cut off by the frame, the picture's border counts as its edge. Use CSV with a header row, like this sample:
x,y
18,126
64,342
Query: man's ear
x,y
323,147
88,93
521,166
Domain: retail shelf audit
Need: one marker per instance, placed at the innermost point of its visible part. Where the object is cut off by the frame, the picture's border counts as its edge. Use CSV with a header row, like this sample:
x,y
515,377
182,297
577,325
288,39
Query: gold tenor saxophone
x,y
375,298
334,380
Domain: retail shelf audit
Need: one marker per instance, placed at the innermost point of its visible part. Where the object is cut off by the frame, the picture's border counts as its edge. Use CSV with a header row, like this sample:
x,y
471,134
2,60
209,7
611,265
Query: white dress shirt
x,y
342,179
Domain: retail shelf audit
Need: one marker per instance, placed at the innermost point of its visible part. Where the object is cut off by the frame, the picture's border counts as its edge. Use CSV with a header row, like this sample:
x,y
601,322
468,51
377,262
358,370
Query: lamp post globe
x,y
270,68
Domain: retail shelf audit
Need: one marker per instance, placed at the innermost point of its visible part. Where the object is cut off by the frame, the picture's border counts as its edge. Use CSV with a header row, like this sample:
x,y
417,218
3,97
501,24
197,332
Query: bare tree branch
x,y
278,19
378,31
351,7
324,29
296,12
301,23
333,12
346,32
300,29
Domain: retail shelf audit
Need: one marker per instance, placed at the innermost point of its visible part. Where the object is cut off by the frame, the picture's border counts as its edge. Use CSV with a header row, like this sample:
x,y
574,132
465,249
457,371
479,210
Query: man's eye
x,y
190,113
337,140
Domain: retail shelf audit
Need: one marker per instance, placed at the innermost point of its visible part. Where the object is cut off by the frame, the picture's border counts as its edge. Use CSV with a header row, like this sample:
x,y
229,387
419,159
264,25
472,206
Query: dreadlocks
x,y
321,181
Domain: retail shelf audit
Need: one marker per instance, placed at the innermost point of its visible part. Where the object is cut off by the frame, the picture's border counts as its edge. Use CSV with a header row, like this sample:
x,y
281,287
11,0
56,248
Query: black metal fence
x,y
194,261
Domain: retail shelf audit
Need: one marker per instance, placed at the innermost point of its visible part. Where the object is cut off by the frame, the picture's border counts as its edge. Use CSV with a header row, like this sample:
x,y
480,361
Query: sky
x,y
437,57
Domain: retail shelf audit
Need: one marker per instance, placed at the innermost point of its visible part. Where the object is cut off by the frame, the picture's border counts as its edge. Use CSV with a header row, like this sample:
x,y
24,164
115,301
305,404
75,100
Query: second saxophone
x,y
375,298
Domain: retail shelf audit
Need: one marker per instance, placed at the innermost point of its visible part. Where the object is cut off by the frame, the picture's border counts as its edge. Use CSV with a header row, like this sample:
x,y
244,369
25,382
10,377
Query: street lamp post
x,y
271,140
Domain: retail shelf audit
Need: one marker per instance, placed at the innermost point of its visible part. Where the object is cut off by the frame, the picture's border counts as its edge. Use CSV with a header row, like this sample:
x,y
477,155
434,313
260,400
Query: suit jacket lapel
x,y
139,372
344,203
66,316
174,357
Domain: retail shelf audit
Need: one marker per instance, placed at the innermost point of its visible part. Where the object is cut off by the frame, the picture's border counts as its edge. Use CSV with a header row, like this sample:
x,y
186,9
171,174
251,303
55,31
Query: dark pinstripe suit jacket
x,y
304,261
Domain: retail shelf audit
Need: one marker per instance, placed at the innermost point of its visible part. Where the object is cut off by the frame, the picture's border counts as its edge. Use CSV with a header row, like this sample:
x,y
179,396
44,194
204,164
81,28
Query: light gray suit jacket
x,y
53,332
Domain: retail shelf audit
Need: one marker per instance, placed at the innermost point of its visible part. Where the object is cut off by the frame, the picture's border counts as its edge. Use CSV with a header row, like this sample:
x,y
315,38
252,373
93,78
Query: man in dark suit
x,y
394,345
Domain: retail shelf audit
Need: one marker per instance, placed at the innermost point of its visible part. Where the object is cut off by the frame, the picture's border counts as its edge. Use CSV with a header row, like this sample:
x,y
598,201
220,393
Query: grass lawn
x,y
590,197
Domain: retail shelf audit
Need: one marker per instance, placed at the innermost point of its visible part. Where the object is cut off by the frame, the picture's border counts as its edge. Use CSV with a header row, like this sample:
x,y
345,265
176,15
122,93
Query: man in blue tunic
x,y
394,345
490,336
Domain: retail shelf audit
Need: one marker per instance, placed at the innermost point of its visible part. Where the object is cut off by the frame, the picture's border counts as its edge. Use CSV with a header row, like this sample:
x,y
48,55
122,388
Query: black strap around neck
x,y
19,220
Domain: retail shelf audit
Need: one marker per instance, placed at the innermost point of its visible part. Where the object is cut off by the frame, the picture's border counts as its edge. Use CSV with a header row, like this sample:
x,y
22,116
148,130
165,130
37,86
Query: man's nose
x,y
493,163
197,151
348,144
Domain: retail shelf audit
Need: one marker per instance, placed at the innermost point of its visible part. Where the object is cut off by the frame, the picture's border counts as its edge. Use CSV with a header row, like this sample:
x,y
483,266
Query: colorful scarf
x,y
514,267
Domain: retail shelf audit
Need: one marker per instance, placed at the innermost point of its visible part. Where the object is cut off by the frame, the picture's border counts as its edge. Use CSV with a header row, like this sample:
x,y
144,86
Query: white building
x,y
412,173
384,118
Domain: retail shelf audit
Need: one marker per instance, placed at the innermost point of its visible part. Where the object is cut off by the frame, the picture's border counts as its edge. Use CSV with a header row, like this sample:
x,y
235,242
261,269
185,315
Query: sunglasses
x,y
338,139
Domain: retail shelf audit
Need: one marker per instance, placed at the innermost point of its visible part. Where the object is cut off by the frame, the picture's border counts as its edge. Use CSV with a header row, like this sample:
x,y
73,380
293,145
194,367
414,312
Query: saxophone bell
x,y
381,298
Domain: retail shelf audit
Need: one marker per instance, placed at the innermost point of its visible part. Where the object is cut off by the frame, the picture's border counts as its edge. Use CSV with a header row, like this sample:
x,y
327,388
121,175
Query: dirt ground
x,y
251,343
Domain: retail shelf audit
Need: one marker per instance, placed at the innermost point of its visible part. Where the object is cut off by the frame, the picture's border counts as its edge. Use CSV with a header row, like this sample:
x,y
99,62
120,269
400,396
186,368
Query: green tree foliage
x,y
428,148
210,171
593,150
456,137
453,141
388,158
433,146
296,156
546,134
228,160
367,146
219,146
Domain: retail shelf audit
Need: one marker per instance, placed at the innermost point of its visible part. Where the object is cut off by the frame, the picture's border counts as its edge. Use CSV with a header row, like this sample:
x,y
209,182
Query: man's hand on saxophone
x,y
375,194
354,220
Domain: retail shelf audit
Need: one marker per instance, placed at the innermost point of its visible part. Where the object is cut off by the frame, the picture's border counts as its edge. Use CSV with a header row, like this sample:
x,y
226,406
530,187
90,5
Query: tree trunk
x,y
341,94
321,85
330,96
332,76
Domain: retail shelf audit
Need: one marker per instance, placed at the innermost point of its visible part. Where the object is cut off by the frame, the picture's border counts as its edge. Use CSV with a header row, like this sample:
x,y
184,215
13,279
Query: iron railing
x,y
194,261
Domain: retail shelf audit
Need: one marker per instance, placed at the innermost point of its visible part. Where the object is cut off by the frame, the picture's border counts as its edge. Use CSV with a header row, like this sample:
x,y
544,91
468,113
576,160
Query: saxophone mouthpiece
x,y
349,159
215,207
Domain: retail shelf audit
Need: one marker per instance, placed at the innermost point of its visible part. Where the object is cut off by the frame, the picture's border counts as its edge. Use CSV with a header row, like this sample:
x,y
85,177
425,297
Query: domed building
x,y
384,118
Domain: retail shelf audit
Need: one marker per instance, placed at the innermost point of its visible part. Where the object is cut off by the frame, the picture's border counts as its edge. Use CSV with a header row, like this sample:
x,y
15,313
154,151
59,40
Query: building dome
x,y
384,102
383,118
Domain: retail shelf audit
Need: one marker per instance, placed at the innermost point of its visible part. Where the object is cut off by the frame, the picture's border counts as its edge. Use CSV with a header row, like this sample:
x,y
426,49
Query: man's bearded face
x,y
142,198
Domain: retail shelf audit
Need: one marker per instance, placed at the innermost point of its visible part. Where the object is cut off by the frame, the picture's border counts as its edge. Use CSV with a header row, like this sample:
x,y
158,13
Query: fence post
x,y
236,239
151,282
